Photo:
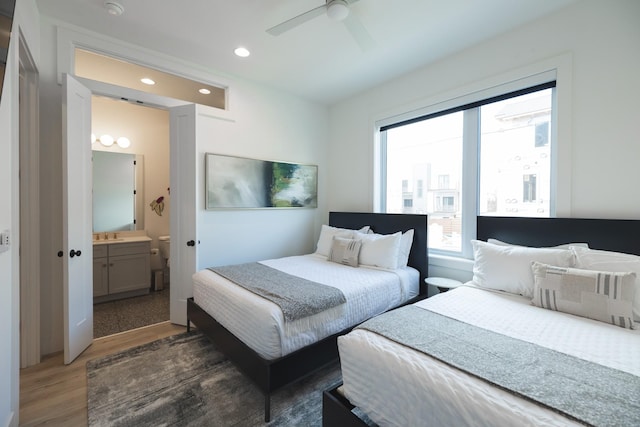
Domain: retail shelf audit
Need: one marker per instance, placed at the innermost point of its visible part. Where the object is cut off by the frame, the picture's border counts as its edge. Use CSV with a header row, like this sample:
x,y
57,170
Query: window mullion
x,y
470,179
383,172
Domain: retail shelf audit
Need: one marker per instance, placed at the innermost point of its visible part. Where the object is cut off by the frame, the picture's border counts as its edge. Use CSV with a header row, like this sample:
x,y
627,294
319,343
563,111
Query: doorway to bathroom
x,y
187,121
131,197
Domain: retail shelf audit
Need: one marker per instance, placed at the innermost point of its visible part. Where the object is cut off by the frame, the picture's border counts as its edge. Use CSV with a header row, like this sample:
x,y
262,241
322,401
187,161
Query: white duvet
x,y
396,385
259,323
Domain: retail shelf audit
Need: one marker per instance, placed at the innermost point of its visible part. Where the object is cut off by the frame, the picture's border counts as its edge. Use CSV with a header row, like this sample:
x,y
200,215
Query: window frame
x,y
470,104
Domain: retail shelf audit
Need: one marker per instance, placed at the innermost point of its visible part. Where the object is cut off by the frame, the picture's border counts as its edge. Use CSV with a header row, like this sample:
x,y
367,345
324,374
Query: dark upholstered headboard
x,y
382,223
619,235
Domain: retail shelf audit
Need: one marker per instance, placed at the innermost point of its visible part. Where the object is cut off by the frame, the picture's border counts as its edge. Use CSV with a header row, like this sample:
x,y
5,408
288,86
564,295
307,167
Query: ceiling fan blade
x,y
359,33
298,20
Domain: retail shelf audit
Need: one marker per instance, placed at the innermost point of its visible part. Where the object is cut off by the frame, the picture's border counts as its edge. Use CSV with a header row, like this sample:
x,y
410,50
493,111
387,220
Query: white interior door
x,y
77,225
184,188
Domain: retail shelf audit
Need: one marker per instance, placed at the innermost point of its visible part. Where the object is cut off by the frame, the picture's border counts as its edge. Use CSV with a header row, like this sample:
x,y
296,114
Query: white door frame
x,y
29,208
179,250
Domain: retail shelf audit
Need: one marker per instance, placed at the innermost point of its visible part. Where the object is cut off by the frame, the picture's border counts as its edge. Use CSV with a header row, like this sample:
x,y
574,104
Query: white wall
x,y
260,123
600,147
25,22
249,235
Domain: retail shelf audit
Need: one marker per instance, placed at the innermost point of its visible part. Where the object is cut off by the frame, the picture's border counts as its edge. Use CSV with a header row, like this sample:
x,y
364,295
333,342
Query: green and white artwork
x,y
238,182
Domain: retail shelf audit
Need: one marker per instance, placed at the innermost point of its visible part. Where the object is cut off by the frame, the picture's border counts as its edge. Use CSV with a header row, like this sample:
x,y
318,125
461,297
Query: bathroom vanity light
x,y
107,141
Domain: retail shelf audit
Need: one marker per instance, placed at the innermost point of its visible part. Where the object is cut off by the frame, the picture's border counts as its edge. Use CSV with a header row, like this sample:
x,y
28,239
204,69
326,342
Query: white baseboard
x,y
12,420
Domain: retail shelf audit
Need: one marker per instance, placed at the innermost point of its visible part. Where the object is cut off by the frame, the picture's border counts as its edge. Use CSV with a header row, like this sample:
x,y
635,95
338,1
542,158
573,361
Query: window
x,y
118,72
443,181
488,157
529,188
448,204
419,190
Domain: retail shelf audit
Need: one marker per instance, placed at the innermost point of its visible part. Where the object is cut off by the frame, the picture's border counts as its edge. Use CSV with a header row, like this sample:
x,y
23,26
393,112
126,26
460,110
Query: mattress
x,y
260,324
396,385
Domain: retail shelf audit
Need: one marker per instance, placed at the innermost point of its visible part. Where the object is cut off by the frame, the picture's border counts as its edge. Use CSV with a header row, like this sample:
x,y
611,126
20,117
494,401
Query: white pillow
x,y
380,250
326,237
405,248
508,268
600,295
565,246
592,259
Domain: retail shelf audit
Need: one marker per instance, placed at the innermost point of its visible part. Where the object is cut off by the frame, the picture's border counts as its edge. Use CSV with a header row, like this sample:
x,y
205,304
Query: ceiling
x,y
318,60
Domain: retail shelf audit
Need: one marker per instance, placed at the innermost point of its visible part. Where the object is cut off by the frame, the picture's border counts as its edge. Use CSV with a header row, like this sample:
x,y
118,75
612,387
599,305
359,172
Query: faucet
x,y
106,236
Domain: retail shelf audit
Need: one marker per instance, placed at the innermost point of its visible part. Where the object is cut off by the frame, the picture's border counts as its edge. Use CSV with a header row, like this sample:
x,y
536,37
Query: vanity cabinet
x,y
121,270
100,271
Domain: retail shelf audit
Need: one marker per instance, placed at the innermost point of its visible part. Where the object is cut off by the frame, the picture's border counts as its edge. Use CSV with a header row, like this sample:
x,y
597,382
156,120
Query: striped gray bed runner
x,y
297,297
586,392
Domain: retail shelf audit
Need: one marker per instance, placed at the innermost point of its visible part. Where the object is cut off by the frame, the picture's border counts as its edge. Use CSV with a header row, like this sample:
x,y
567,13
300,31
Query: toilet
x,y
165,246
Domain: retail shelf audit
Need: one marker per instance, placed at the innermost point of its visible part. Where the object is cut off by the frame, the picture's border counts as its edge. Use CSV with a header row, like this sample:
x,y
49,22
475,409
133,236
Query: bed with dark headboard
x,y
382,223
270,375
619,235
610,235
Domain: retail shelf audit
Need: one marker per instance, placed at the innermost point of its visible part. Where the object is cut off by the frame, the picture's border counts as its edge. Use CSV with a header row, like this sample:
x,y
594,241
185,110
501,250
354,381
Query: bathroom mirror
x,y
118,191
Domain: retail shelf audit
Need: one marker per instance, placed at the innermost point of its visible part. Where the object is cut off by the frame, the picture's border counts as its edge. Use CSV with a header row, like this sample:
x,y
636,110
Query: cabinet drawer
x,y
99,251
129,248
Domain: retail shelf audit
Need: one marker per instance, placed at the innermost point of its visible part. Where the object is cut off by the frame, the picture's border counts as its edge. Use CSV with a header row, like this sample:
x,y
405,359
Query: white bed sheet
x,y
412,388
259,323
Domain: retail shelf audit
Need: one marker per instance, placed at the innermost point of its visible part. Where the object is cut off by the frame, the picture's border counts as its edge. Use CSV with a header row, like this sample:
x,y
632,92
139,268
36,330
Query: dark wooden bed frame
x,y
604,234
270,375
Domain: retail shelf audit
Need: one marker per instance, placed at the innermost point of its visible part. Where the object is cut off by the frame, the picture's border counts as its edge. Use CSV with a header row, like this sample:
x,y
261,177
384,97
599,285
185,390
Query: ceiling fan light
x,y
338,10
114,8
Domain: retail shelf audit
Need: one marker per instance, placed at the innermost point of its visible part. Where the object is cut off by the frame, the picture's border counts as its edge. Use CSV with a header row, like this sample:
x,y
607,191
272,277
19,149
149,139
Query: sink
x,y
109,240
125,238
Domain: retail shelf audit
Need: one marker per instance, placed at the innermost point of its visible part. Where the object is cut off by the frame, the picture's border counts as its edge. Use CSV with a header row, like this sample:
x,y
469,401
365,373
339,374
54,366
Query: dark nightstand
x,y
442,283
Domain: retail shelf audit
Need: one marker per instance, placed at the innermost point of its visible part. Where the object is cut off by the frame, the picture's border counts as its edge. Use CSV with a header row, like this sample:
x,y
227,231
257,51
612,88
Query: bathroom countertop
x,y
121,239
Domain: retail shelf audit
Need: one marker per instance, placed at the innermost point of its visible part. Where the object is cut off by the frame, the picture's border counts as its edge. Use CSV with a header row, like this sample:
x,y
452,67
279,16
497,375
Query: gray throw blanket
x,y
297,297
586,392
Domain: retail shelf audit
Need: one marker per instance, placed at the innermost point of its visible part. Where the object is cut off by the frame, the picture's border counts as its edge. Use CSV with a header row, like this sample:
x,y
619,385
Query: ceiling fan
x,y
337,10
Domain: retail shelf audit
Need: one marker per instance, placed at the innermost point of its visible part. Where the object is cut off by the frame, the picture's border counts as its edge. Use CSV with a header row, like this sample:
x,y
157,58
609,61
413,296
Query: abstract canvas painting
x,y
239,182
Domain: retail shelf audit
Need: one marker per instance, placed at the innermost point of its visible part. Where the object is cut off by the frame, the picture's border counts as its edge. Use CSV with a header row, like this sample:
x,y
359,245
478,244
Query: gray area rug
x,y
184,381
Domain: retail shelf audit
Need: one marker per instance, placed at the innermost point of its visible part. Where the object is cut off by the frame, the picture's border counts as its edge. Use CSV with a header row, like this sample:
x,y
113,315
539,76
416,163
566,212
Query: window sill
x,y
449,262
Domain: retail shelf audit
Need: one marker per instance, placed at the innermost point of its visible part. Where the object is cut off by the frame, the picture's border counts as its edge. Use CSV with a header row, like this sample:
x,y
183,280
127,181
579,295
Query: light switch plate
x,y
5,241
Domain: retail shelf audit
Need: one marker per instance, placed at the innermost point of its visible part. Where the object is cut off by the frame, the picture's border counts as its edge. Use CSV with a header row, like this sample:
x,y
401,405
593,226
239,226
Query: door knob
x,y
74,253
191,243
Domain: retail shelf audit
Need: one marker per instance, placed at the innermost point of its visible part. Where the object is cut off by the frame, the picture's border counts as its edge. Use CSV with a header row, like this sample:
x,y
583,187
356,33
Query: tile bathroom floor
x,y
122,315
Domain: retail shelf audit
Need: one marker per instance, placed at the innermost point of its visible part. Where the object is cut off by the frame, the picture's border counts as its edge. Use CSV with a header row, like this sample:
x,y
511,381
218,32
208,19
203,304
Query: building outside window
x,y
507,136
443,182
529,188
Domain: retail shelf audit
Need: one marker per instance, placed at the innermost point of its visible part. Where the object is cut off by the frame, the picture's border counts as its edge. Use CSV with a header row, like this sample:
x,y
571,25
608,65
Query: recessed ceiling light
x,y
242,52
204,91
147,81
